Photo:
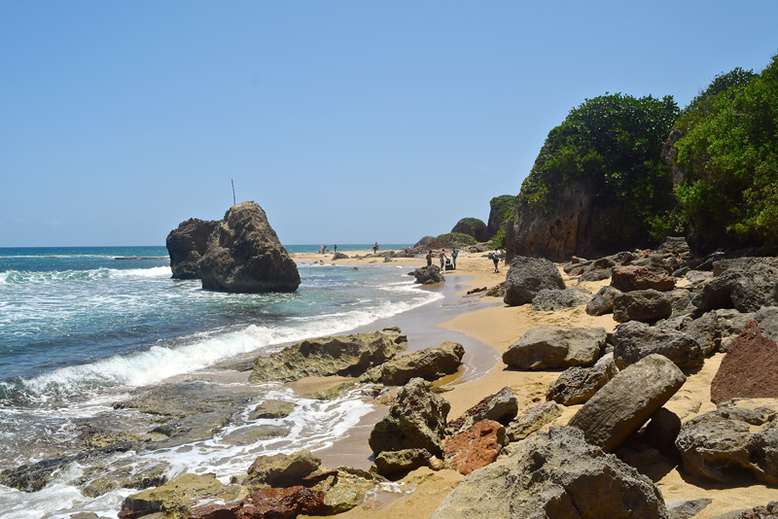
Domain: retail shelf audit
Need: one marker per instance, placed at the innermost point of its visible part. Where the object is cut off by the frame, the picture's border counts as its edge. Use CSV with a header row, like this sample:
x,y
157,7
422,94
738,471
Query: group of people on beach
x,y
444,260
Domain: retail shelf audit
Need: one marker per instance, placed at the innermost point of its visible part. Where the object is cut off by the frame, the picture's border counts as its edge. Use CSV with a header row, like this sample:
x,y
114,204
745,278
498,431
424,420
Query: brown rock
x,y
275,503
749,369
632,277
476,447
186,244
245,255
501,407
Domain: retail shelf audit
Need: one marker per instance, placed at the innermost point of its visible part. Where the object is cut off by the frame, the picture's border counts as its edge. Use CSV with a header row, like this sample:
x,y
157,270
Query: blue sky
x,y
347,121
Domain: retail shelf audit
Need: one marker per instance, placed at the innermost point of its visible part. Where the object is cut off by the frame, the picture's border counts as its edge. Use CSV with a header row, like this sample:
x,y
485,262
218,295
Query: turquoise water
x,y
82,327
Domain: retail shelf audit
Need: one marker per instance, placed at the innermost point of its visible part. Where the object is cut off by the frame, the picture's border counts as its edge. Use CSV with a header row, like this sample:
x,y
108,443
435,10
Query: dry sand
x,y
498,326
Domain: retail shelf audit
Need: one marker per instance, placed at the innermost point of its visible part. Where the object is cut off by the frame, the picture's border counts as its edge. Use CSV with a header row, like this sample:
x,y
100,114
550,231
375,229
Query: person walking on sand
x,y
429,258
496,260
443,259
454,255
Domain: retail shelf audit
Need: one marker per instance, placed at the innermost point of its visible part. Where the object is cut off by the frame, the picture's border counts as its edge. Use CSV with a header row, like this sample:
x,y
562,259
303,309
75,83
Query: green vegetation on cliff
x,y
728,154
458,239
612,146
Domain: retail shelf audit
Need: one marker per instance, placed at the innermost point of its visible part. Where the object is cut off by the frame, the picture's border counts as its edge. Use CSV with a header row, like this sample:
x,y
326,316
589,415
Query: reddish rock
x,y
268,503
476,447
749,369
632,277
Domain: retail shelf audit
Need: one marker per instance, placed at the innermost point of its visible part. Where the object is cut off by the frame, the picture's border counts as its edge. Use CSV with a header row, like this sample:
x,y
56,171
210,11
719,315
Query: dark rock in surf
x,y
244,255
186,244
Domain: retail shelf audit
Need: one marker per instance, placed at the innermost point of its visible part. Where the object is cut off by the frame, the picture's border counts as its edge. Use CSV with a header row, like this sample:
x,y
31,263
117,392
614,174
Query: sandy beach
x,y
491,328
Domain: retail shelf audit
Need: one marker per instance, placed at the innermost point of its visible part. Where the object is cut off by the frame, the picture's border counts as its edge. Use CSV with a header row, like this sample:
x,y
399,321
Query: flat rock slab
x,y
625,403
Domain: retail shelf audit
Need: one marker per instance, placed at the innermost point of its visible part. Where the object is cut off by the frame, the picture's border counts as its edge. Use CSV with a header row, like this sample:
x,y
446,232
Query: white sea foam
x,y
204,350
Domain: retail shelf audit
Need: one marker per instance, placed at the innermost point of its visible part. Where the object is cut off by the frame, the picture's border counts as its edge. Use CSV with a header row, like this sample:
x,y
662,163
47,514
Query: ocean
x,y
83,327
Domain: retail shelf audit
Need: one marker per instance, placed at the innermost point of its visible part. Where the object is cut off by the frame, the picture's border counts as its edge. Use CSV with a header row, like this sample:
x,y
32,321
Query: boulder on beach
x,y
186,244
627,401
740,436
416,420
634,340
633,277
555,474
428,275
548,347
244,255
533,419
475,447
500,407
429,364
642,305
345,355
528,276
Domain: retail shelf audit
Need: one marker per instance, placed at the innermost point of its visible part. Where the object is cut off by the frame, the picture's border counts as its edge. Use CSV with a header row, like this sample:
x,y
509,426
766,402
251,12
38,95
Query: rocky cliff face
x,y
186,244
558,234
244,255
498,206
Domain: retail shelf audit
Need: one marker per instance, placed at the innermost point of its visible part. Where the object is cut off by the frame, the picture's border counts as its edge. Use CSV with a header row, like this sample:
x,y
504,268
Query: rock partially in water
x,y
342,355
244,255
391,462
283,471
272,409
175,497
186,245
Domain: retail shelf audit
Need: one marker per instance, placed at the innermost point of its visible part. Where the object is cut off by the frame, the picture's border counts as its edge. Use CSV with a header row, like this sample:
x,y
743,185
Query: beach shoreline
x,y
494,325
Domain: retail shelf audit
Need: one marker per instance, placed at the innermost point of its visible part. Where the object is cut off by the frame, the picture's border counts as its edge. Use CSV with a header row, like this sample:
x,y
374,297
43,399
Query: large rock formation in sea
x,y
186,244
244,255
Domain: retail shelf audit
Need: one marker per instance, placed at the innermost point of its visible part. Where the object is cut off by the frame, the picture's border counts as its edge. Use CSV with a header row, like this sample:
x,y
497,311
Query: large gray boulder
x,y
555,474
602,302
642,305
345,355
528,276
746,286
548,300
633,277
429,364
186,244
548,347
634,340
741,435
628,401
532,419
416,420
244,255
577,385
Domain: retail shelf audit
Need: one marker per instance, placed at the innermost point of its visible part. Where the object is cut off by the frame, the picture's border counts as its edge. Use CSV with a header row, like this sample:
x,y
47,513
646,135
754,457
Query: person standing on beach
x,y
375,247
496,260
443,259
335,249
454,255
429,258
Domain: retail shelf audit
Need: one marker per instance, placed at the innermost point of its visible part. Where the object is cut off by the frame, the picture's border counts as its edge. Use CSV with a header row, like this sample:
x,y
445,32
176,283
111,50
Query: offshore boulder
x,y
186,244
244,255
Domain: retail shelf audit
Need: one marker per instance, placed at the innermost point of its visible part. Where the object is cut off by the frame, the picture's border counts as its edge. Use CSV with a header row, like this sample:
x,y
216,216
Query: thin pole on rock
x,y
233,192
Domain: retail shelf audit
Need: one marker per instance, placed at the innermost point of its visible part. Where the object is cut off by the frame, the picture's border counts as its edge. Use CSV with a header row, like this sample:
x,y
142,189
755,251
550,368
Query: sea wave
x,y
196,352
15,277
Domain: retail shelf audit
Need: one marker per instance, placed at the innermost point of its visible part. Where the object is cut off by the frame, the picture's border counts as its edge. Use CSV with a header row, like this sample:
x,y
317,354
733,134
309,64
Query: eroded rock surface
x,y
429,364
625,403
555,474
346,355
475,447
416,420
546,347
244,255
186,244
528,276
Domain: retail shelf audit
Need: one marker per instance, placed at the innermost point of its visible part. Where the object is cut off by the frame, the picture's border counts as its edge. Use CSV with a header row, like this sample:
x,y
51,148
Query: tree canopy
x,y
613,143
728,153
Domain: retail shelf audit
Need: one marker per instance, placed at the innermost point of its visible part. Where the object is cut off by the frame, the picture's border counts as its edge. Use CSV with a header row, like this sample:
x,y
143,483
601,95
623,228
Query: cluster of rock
x,y
240,253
